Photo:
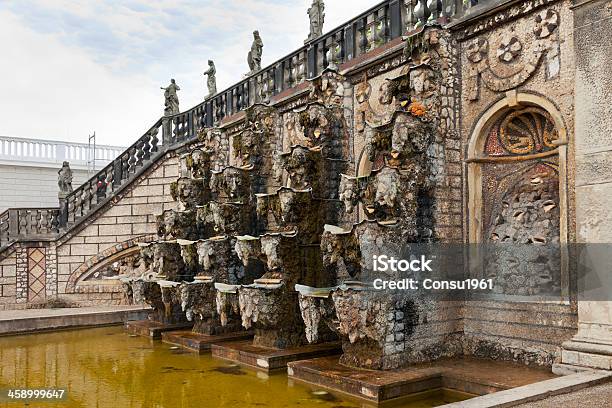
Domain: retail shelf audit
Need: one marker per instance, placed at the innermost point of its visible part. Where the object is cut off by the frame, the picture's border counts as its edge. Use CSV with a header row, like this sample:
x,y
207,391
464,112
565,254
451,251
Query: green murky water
x,y
105,367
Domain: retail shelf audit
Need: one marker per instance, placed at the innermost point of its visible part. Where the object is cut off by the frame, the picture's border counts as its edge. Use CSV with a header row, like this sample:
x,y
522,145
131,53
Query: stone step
x,y
269,359
201,343
37,320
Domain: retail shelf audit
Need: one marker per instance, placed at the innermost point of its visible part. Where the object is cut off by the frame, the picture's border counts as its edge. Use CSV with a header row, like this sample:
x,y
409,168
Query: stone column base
x,y
583,353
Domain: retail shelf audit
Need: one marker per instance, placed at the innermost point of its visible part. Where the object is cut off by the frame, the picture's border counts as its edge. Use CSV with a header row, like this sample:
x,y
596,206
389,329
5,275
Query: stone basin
x,y
308,291
273,312
226,288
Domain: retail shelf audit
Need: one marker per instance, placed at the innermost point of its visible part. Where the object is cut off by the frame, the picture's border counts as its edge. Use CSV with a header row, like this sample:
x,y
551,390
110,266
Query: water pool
x,y
105,367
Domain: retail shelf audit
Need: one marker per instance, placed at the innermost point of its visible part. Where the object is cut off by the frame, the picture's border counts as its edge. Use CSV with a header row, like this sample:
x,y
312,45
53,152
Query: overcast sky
x,y
71,67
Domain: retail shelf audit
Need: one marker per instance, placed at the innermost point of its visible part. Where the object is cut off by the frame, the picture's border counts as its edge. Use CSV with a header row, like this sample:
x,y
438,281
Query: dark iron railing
x,y
371,29
112,177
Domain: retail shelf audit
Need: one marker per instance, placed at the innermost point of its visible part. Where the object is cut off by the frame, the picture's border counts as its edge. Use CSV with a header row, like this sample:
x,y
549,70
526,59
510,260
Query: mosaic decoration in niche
x,y
522,132
524,230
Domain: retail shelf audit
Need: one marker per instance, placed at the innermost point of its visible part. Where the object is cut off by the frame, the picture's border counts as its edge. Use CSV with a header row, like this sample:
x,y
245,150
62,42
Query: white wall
x,y
28,169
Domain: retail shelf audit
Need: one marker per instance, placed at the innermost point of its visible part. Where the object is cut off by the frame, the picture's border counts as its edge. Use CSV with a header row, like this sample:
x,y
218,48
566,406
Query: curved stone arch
x,y
476,147
512,100
103,259
475,161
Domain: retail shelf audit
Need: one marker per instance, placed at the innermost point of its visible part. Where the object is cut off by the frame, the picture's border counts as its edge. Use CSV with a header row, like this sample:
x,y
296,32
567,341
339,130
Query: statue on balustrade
x,y
254,57
316,13
172,102
212,79
64,180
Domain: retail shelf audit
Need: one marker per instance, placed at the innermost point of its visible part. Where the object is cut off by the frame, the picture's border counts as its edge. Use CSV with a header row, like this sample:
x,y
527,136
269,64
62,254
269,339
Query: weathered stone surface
x,y
319,318
198,301
172,224
274,315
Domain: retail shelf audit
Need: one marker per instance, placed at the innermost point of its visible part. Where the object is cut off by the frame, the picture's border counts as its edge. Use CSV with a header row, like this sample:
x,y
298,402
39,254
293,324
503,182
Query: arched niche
x,y
519,140
364,165
85,274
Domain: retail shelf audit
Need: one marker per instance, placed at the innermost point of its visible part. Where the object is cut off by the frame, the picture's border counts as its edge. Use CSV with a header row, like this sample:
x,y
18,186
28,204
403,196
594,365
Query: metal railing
x,y
368,31
113,176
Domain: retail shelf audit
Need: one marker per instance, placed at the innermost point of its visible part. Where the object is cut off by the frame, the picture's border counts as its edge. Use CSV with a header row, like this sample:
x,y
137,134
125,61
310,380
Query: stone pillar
x,y
63,210
21,292
592,345
51,271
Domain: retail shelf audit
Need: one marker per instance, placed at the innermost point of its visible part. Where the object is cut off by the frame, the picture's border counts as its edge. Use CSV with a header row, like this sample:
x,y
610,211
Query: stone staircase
x,y
47,224
379,28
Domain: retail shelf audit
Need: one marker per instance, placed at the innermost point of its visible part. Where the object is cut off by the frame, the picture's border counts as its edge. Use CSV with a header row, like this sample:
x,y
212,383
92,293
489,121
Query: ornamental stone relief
x,y
424,89
328,89
189,192
129,265
521,204
173,224
524,252
521,132
509,49
232,183
506,60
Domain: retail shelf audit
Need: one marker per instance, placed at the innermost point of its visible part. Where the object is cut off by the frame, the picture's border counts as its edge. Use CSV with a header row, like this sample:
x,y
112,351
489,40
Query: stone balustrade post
x,y
167,130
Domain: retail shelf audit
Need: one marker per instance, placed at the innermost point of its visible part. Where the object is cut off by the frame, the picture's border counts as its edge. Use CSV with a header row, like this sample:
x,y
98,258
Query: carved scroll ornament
x,y
514,52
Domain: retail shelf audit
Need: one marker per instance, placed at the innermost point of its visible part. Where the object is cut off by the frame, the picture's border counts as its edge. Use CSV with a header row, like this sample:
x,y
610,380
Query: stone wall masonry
x,y
519,331
51,271
128,218
530,332
21,286
593,91
8,281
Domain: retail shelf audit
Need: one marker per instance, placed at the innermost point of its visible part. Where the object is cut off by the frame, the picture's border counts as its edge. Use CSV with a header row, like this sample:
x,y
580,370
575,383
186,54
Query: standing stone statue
x,y
64,180
316,13
254,57
172,102
212,79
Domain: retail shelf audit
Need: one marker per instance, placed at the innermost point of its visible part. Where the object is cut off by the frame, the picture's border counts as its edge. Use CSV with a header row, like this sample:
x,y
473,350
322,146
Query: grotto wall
x,y
517,122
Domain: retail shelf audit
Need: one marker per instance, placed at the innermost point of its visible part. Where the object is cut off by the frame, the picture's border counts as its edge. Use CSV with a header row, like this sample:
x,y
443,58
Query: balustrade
x,y
101,186
368,31
50,152
28,223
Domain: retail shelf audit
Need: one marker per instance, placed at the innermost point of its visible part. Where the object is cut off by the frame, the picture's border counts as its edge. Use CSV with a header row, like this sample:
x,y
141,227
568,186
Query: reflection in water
x,y
105,367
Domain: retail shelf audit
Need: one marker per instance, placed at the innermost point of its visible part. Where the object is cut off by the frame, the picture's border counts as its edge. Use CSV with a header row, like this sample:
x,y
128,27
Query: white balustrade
x,y
34,151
